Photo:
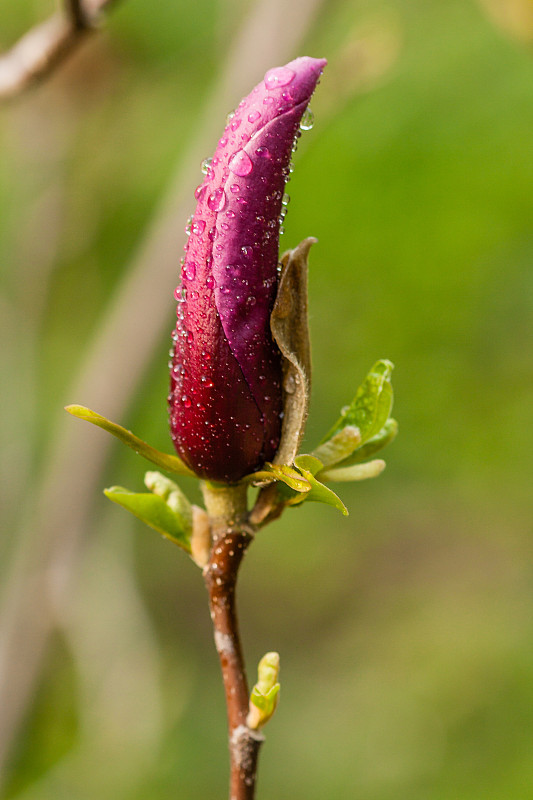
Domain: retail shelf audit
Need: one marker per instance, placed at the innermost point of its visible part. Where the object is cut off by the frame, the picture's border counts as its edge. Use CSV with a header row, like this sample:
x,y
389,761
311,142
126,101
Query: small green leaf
x,y
283,473
322,494
386,435
152,509
372,404
164,461
310,463
339,447
265,702
357,472
264,696
171,493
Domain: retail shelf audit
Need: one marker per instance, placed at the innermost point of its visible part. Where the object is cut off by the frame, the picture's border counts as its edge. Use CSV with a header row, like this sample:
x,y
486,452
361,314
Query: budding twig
x,y
231,537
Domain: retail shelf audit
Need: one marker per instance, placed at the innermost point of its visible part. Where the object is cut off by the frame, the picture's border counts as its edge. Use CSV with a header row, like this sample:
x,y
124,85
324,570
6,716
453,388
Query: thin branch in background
x,y
39,51
77,13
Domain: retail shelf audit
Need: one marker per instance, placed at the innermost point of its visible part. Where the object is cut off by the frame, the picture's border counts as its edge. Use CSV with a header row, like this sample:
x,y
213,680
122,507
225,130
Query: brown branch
x,y
231,537
77,13
39,51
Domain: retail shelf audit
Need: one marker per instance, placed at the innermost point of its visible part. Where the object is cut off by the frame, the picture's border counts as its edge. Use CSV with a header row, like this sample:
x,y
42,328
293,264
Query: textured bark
x,y
231,537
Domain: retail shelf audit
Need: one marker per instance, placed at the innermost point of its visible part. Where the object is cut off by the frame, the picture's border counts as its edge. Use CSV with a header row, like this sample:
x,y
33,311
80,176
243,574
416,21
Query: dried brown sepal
x,y
290,329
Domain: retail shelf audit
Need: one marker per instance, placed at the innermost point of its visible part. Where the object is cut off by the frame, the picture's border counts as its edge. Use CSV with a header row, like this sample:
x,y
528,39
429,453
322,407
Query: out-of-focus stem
x,y
41,49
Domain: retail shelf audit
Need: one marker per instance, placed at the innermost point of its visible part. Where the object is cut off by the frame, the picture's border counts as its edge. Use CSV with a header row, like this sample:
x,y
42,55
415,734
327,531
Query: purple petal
x,y
230,281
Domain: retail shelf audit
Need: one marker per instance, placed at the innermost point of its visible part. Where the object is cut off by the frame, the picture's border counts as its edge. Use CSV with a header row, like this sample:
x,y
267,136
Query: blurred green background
x,y
405,630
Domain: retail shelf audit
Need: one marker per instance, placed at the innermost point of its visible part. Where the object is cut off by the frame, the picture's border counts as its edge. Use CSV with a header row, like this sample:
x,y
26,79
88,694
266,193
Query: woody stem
x,y
226,506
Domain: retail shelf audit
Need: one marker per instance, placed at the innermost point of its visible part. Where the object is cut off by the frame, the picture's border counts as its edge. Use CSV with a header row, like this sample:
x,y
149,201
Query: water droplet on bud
x,y
308,119
189,270
279,76
253,116
241,164
217,200
198,227
206,163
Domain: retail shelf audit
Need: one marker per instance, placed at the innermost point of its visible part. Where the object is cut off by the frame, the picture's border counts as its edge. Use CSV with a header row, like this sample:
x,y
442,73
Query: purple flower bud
x,y
225,393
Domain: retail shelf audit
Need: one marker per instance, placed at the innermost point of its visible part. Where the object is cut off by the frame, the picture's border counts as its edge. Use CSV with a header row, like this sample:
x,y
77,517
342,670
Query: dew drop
x,y
217,200
247,250
268,101
307,120
225,290
263,152
234,188
223,141
188,226
207,382
189,270
210,281
241,164
253,116
285,199
186,401
230,117
199,191
206,163
235,124
198,227
279,76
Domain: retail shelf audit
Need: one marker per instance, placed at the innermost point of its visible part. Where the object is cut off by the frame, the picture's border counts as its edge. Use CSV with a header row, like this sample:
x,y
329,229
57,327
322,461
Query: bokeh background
x,y
405,630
